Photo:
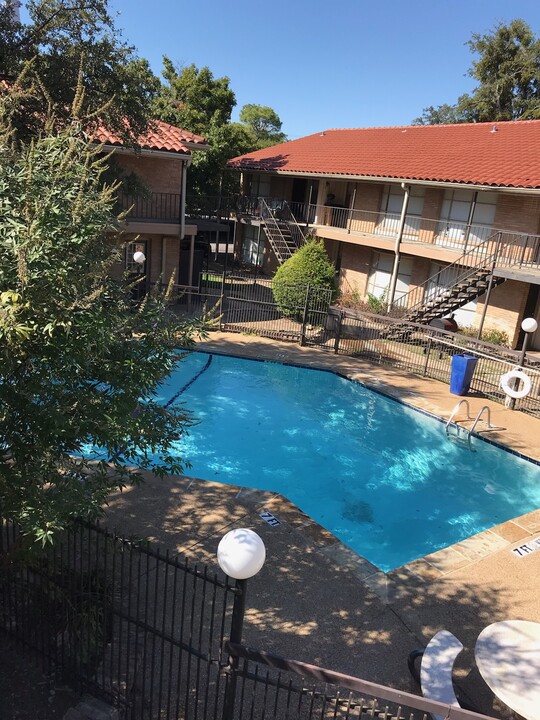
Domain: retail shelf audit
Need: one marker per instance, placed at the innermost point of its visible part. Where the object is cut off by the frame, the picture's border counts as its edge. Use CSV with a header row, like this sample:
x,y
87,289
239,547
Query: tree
x,y
195,100
80,362
118,84
508,72
263,123
308,266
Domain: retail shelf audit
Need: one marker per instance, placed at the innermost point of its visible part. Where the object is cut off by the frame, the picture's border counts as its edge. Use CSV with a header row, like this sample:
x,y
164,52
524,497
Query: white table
x,y
508,657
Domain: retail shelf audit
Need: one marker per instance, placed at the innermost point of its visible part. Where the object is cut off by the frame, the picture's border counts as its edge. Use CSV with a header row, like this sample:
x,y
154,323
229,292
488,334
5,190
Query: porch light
x,y
241,553
139,257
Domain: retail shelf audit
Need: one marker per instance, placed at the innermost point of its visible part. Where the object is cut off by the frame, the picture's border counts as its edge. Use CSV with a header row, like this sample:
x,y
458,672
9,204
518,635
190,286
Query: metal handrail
x,y
477,419
481,256
455,411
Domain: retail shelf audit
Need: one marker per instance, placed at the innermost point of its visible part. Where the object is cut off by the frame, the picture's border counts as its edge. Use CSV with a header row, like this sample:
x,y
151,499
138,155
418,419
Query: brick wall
x,y
368,199
520,213
355,263
505,309
431,210
160,175
421,271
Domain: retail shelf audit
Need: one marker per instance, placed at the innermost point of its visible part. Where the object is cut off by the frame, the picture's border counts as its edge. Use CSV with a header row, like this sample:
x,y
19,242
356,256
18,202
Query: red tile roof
x,y
502,154
161,136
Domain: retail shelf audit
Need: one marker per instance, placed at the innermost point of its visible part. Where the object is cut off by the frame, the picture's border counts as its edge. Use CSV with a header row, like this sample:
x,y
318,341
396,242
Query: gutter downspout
x,y
399,237
183,198
469,221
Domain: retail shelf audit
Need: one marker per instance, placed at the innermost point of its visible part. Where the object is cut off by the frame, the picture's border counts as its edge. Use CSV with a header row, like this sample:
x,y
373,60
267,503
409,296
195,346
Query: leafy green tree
x,y
264,124
309,265
508,73
80,362
118,83
195,100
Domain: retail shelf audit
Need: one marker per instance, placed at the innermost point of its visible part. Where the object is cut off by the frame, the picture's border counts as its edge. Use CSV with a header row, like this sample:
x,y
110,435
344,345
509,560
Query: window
x,y
391,205
252,249
455,214
131,249
381,274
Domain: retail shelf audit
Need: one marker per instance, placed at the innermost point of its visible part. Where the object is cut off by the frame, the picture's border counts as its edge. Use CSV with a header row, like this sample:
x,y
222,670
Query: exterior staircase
x,y
281,229
454,286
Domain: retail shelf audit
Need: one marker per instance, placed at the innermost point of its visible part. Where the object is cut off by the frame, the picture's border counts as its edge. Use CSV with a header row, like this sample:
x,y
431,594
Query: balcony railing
x,y
156,207
514,249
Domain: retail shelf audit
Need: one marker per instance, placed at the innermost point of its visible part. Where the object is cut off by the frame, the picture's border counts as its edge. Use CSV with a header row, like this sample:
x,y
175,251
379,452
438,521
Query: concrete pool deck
x,y
316,600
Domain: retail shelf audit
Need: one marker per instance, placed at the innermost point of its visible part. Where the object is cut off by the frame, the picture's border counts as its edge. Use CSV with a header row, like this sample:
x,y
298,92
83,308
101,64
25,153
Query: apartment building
x,y
156,222
428,219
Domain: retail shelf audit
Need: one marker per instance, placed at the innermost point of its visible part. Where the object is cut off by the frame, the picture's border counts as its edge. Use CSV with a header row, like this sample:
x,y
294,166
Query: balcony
x,y
151,208
438,239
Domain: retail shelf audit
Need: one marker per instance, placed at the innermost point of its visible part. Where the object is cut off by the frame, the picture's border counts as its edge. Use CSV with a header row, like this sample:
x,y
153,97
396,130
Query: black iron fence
x,y
243,302
246,303
270,686
120,619
427,351
160,638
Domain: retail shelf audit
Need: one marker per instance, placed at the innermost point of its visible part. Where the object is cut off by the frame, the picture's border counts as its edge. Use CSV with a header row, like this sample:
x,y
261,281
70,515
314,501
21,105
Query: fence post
x,y
338,331
222,301
304,318
428,353
237,623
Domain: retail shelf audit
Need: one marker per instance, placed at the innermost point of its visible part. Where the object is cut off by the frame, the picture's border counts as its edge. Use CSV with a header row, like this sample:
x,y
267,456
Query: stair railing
x,y
480,256
287,215
279,243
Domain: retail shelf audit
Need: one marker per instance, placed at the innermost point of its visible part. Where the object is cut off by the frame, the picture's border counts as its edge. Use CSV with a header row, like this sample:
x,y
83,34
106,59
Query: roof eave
x,y
393,179
149,152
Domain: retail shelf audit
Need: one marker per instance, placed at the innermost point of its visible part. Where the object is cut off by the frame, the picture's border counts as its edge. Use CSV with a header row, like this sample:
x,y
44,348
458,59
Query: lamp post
x,y
529,326
139,257
241,554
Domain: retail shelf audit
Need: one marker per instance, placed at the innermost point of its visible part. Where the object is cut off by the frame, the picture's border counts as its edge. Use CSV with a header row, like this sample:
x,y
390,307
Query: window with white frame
x,y
381,273
392,204
456,215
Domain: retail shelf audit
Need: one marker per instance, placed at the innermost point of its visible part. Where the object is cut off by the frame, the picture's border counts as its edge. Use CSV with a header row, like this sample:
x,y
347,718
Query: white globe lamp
x,y
139,257
529,325
241,553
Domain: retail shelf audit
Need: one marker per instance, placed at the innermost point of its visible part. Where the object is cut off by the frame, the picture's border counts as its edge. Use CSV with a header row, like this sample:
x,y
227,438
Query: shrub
x,y
308,266
490,335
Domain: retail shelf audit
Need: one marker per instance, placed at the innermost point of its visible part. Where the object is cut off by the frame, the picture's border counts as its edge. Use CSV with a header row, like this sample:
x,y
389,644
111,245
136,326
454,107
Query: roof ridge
x,y
432,125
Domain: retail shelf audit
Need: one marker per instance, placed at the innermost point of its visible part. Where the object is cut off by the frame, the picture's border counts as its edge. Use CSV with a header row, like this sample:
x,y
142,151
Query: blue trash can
x,y
461,373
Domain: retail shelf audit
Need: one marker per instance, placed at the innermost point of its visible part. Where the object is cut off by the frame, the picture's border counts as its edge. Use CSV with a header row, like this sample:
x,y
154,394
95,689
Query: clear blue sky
x,y
320,65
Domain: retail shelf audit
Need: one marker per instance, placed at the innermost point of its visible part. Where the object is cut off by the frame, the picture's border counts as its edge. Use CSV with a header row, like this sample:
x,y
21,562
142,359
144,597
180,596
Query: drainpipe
x,y
399,236
469,221
183,200
351,209
164,259
309,205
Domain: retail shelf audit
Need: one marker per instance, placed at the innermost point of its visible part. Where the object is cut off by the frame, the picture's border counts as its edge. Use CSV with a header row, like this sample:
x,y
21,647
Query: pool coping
x,y
505,536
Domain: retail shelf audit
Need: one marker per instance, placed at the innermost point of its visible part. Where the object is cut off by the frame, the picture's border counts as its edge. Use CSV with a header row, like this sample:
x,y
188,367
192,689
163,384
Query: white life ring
x,y
507,384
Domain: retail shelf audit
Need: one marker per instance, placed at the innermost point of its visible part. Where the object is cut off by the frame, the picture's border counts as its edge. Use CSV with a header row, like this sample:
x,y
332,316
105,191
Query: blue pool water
x,y
380,476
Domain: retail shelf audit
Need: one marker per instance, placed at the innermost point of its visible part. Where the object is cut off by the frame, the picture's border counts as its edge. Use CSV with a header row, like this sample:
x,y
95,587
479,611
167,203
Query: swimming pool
x,y
380,476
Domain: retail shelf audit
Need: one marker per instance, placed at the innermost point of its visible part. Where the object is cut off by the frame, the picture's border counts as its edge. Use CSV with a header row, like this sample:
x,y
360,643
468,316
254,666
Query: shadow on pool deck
x,y
317,601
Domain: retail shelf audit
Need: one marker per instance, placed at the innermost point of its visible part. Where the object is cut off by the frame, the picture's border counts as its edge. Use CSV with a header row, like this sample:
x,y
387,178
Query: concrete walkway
x,y
316,600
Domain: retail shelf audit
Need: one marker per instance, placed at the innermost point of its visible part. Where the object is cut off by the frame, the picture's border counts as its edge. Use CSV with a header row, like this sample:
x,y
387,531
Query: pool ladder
x,y
465,438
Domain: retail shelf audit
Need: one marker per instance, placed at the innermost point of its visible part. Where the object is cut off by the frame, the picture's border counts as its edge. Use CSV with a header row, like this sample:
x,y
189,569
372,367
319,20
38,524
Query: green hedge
x,y
309,265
